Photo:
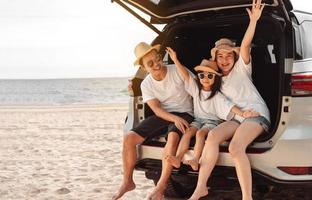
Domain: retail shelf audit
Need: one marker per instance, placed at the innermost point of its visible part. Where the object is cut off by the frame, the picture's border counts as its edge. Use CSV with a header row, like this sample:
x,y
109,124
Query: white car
x,y
282,73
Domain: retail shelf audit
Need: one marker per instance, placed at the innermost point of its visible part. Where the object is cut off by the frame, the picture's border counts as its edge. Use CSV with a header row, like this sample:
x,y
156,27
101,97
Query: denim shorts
x,y
205,123
260,120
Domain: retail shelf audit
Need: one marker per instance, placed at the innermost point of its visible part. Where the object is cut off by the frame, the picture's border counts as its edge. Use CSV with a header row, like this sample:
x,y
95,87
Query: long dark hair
x,y
216,86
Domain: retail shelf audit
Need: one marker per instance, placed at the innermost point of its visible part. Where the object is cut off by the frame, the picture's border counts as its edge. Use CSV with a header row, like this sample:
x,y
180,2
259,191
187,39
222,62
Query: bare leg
x,y
199,145
170,149
184,145
210,155
200,142
128,160
243,136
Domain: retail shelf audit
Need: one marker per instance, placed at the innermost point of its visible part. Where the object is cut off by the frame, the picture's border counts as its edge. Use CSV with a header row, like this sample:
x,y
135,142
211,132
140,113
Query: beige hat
x,y
208,66
224,44
142,49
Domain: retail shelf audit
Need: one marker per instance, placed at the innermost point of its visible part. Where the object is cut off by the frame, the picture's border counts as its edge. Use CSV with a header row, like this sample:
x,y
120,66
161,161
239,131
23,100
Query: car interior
x,y
193,42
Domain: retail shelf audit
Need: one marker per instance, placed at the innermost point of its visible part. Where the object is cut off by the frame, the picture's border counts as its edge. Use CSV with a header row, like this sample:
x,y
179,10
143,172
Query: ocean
x,y
63,91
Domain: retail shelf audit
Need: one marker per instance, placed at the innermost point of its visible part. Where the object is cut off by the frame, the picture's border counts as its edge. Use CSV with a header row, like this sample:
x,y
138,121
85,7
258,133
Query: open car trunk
x,y
192,29
193,41
163,11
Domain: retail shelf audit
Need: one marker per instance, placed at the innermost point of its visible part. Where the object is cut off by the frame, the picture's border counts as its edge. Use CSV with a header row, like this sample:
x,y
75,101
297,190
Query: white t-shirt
x,y
170,91
216,108
238,87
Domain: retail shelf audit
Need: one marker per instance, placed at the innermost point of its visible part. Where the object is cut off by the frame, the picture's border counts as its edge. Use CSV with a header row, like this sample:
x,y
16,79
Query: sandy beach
x,y
63,152
73,152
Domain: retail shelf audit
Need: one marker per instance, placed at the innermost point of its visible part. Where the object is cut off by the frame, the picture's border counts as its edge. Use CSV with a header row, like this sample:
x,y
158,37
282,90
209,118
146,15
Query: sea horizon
x,y
63,91
63,78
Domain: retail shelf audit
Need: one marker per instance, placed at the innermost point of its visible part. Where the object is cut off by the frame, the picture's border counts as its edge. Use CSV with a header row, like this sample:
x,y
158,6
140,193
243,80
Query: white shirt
x,y
170,91
216,108
238,87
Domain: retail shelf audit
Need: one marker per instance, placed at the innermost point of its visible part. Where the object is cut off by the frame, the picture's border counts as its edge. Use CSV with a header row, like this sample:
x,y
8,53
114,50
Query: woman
x,y
235,65
211,107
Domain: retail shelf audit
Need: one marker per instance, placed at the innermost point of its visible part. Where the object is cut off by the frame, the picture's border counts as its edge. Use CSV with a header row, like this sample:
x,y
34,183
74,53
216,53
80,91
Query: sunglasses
x,y
209,75
156,60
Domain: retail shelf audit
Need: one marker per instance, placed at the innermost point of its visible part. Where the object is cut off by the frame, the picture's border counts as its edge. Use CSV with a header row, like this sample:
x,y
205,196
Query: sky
x,y
41,39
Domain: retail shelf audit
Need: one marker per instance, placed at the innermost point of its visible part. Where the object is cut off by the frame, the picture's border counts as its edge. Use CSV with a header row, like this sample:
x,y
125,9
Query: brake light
x,y
301,84
297,170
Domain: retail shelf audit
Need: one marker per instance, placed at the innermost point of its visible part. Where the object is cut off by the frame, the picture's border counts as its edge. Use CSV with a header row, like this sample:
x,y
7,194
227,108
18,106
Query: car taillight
x,y
301,84
297,170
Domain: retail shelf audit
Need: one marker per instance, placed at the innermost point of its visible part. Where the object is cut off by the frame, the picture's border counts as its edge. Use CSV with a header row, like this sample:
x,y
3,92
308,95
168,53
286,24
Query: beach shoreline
x,y
59,108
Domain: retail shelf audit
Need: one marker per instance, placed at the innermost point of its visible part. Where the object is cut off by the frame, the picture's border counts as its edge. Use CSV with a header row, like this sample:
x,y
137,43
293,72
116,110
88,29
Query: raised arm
x,y
179,122
254,15
181,69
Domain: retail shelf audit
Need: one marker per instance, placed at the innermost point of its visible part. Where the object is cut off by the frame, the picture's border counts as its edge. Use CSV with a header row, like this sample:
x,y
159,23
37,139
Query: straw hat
x,y
142,49
224,44
208,66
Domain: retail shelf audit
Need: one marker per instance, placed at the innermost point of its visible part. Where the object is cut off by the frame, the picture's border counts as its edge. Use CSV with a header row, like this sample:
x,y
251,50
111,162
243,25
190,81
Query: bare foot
x,y
198,194
193,163
125,187
174,161
156,194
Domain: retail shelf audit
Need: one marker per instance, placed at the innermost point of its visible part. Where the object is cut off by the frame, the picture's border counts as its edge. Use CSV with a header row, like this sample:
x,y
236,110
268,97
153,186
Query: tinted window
x,y
305,33
302,24
298,53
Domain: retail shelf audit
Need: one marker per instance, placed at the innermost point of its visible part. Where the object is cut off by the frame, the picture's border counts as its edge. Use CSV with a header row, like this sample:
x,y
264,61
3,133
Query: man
x,y
163,91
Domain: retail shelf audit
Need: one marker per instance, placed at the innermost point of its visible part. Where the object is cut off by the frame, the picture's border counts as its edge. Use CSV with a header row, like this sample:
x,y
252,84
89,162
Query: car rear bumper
x,y
222,175
287,152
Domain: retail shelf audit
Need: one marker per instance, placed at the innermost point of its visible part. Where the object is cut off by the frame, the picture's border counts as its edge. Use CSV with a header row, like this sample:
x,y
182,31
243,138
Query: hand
x,y
172,54
256,10
181,124
130,84
250,113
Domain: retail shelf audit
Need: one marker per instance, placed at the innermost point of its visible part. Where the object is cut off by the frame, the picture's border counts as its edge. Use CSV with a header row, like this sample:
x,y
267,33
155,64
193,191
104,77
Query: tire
x,y
178,187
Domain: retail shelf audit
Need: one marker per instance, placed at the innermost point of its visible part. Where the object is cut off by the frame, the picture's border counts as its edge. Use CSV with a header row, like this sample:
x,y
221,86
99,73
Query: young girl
x,y
235,65
210,107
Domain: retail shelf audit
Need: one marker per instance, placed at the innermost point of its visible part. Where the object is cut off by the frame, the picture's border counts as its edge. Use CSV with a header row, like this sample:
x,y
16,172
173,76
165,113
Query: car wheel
x,y
177,188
